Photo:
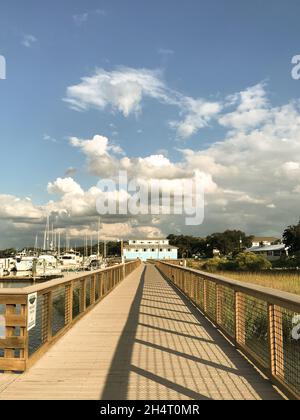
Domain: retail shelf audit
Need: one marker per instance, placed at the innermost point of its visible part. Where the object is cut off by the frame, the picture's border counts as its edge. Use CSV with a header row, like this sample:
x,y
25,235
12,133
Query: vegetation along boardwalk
x,y
143,341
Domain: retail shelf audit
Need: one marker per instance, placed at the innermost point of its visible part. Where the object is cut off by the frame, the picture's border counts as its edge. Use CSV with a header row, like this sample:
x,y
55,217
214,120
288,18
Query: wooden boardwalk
x,y
143,341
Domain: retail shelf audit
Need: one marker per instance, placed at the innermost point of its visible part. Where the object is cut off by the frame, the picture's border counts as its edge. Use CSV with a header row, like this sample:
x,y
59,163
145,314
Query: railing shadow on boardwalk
x,y
122,367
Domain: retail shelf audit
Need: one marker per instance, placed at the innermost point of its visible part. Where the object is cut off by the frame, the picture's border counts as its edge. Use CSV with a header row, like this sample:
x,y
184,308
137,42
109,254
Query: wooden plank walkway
x,y
144,341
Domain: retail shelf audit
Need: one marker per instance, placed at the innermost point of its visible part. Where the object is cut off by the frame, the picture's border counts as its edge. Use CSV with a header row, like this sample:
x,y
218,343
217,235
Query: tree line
x,y
229,243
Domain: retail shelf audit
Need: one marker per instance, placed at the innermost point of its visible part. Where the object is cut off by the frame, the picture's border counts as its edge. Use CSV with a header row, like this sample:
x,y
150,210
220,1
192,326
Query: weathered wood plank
x,y
13,299
12,343
15,365
13,320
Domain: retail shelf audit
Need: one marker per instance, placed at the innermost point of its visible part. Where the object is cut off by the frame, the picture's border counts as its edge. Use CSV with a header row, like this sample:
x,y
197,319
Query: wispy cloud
x,y
166,51
28,40
71,172
82,18
101,12
46,137
125,88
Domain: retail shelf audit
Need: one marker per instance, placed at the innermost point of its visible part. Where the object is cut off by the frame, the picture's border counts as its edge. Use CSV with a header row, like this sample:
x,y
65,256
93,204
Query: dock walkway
x,y
143,341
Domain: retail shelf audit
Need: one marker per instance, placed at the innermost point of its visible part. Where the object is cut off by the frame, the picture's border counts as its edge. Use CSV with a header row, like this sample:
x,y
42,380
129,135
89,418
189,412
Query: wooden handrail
x,y
257,320
289,300
53,283
61,303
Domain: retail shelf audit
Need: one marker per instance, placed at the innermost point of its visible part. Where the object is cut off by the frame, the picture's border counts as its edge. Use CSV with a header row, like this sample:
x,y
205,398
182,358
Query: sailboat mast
x,y
98,239
59,243
47,234
36,244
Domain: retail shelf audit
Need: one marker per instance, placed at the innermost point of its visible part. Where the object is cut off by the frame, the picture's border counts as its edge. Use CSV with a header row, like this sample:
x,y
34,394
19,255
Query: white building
x,y
150,249
264,241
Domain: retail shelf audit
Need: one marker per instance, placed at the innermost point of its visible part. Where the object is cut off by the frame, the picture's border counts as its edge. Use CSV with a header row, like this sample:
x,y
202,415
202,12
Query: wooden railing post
x,y
276,340
123,272
93,289
205,296
240,321
24,334
9,331
83,296
69,303
101,285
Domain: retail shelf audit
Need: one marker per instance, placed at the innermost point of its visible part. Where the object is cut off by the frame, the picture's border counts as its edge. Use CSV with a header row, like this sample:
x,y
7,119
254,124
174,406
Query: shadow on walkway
x,y
166,352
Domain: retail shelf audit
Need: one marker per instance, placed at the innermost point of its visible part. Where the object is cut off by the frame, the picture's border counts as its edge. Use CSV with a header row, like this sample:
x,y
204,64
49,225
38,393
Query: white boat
x,y
71,260
46,266
93,262
23,265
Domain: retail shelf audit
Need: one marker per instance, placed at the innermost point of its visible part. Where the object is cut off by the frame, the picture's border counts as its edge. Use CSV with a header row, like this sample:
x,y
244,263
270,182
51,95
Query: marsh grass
x,y
284,281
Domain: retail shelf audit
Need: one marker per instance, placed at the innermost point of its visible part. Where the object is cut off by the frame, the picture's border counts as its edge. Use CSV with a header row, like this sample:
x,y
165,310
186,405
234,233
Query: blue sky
x,y
200,49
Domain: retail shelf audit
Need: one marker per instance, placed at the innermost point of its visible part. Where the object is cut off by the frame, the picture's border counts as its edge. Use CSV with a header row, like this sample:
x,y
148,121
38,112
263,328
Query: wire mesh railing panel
x,y
88,283
58,309
254,315
37,335
226,309
211,299
287,347
98,287
200,292
76,299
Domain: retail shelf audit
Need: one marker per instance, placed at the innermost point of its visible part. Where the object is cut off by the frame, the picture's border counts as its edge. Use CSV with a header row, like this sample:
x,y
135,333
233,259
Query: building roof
x,y
280,247
265,239
143,246
149,239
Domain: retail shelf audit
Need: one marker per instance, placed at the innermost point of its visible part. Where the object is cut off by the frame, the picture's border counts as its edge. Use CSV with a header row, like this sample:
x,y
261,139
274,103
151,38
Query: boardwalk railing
x,y
59,305
262,322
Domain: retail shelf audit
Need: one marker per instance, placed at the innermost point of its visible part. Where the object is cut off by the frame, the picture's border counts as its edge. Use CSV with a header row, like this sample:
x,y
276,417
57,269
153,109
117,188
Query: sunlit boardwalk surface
x,y
143,341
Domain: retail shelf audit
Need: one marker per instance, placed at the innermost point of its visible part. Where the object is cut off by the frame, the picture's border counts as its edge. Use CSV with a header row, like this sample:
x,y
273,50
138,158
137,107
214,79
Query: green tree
x,y
230,242
291,238
245,261
188,245
248,261
7,253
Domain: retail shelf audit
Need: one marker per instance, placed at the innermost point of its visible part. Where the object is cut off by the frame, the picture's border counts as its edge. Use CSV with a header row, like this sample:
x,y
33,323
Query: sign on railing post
x,y
31,308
